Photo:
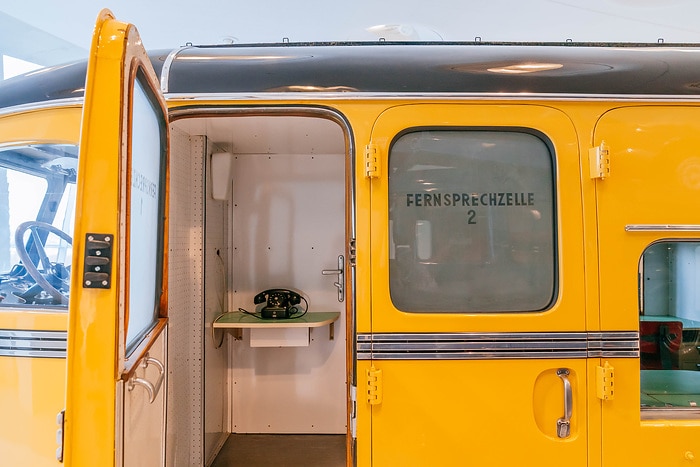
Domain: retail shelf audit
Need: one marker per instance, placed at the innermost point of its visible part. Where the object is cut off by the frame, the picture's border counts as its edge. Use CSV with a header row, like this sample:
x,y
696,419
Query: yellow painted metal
x,y
31,395
485,413
97,322
56,126
363,452
35,320
32,390
653,150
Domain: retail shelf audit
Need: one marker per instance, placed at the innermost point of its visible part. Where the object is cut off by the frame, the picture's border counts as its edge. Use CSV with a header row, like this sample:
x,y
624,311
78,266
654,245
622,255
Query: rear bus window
x,y
471,220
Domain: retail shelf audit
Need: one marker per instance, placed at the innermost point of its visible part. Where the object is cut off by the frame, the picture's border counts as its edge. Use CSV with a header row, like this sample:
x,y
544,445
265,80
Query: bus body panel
x,y
447,392
31,395
33,340
430,387
650,200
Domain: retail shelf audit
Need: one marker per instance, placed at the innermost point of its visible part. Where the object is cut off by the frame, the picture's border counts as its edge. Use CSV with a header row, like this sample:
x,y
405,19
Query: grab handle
x,y
152,389
564,423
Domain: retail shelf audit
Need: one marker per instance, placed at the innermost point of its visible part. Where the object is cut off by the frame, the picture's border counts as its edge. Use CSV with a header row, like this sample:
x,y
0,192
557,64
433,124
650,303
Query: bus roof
x,y
389,68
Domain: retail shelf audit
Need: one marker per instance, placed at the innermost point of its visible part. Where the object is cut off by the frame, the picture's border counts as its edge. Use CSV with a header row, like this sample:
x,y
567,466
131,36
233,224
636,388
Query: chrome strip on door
x,y
662,228
47,344
487,346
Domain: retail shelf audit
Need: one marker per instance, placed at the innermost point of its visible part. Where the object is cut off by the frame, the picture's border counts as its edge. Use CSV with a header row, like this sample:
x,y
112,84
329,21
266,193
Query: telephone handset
x,y
279,303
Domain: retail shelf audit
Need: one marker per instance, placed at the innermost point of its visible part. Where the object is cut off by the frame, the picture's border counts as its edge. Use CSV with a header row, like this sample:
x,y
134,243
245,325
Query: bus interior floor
x,y
282,450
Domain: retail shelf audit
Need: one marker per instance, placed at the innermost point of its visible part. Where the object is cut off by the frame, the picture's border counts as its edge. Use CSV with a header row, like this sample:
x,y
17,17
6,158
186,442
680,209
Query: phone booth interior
x,y
274,246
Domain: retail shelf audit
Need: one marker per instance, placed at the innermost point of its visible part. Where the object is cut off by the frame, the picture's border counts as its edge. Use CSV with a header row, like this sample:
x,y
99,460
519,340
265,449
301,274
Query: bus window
x,y
669,326
37,211
146,216
471,220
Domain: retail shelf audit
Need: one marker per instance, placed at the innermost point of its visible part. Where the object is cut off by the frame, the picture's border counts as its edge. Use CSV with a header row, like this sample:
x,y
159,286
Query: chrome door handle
x,y
340,284
152,389
564,423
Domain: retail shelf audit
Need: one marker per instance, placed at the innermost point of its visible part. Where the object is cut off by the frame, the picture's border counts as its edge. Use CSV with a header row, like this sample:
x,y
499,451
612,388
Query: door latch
x,y
564,423
340,283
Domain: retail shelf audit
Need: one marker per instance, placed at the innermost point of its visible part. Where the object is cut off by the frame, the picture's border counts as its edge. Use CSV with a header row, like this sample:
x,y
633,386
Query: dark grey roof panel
x,y
56,82
51,83
443,68
391,68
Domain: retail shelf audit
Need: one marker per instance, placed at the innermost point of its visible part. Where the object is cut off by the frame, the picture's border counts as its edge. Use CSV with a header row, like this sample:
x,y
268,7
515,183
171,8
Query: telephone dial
x,y
279,303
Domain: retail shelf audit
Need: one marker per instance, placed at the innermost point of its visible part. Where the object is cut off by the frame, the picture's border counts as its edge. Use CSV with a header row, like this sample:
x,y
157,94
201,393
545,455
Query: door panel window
x,y
669,325
471,215
146,222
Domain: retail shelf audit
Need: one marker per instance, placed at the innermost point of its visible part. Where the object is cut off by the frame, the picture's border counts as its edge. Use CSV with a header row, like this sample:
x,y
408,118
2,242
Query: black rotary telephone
x,y
279,303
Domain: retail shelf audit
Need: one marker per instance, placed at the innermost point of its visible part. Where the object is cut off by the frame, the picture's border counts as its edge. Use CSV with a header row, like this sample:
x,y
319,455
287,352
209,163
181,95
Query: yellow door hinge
x,y
605,379
374,386
371,161
599,161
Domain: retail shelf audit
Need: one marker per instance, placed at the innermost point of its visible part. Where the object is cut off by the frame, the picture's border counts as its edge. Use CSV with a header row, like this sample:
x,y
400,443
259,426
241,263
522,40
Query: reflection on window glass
x,y
37,206
471,220
669,325
145,218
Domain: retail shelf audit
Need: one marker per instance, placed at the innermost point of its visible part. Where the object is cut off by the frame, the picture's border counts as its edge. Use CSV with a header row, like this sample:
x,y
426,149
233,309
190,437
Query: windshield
x,y
37,213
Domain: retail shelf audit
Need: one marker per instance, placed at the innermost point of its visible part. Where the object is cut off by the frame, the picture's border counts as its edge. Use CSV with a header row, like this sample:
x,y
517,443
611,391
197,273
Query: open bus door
x,y
117,342
478,335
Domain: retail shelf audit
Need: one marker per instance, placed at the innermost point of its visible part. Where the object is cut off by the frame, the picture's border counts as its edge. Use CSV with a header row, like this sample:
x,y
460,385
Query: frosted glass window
x,y
471,217
146,229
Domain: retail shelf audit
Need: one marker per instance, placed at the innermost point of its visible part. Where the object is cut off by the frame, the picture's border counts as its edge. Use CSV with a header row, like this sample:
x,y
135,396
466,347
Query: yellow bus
x,y
372,254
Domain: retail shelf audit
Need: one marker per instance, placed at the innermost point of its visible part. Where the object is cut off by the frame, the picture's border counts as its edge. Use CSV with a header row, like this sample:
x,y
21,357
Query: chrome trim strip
x,y
165,71
670,413
346,96
662,228
45,344
43,105
623,344
12,333
352,96
474,336
487,346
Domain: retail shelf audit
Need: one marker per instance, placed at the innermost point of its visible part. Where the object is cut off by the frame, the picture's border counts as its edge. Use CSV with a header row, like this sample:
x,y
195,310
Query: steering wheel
x,y
34,227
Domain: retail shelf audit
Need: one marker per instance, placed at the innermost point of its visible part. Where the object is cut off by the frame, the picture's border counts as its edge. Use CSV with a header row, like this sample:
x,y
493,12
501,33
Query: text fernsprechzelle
x,y
470,199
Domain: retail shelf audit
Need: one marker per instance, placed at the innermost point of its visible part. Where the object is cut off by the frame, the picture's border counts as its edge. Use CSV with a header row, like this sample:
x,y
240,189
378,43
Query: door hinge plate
x,y
599,161
353,411
374,386
605,379
60,421
352,252
371,161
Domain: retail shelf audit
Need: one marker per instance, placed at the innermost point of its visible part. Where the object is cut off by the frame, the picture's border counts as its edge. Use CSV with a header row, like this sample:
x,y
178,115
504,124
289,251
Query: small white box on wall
x,y
221,168
279,337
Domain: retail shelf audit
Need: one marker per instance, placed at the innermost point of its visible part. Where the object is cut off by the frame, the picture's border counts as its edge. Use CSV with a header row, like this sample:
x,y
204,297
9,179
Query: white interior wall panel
x,y
216,395
288,226
185,289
